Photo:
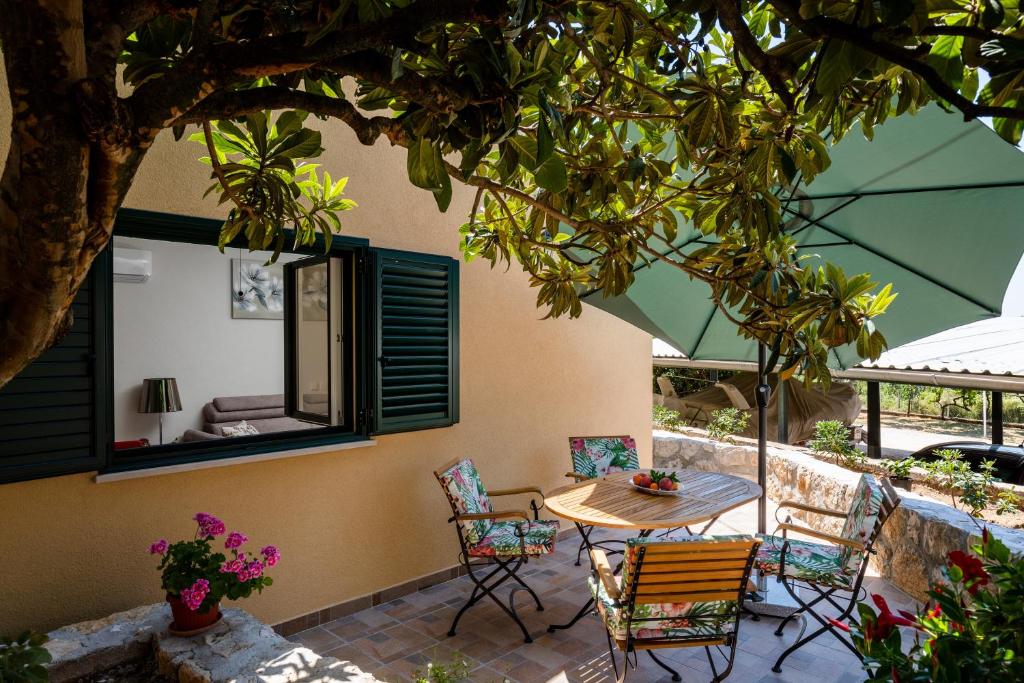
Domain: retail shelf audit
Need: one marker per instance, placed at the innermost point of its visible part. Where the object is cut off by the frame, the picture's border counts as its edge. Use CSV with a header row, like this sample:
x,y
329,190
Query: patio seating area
x,y
395,640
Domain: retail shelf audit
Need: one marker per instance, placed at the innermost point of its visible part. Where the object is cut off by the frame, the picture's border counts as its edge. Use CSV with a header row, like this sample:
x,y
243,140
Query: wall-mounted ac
x,y
132,265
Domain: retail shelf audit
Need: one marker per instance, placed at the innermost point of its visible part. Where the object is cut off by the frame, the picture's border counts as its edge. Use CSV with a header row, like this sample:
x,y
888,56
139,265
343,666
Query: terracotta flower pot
x,y
187,622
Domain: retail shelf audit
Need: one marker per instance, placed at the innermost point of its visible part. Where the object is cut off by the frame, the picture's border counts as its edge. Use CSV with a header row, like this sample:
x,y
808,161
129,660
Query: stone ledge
x,y
914,543
240,649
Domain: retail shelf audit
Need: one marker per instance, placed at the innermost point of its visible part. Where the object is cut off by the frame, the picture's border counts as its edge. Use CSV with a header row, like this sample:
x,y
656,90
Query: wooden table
x,y
613,502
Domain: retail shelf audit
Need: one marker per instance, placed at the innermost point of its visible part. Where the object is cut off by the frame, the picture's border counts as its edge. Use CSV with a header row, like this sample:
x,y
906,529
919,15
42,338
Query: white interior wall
x,y
178,324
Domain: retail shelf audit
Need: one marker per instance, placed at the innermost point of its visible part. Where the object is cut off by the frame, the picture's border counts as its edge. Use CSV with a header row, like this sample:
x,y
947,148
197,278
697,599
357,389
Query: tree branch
x,y
775,70
229,105
826,27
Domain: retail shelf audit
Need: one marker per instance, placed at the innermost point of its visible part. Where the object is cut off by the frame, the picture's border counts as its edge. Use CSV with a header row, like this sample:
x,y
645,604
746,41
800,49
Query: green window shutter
x,y
416,363
48,412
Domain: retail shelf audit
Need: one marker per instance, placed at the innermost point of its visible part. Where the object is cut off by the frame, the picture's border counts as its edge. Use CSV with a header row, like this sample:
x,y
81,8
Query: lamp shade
x,y
159,395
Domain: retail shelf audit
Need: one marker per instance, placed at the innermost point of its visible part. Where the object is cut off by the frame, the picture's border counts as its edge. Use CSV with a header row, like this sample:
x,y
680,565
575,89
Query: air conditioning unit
x,y
132,265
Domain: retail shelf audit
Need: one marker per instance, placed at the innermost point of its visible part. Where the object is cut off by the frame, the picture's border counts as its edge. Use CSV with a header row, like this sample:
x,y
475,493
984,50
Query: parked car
x,y
1009,459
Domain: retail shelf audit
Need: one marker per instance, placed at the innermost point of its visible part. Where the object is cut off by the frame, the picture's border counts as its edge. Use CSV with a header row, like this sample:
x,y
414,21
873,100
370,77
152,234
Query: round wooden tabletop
x,y
612,501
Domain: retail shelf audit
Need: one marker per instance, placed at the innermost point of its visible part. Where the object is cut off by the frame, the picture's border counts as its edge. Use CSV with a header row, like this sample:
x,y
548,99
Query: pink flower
x,y
209,525
194,595
158,548
235,540
271,554
255,569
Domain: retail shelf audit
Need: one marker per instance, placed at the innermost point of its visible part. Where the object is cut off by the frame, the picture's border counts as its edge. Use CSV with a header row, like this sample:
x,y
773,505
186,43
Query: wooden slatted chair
x,y
834,571
494,542
597,456
674,593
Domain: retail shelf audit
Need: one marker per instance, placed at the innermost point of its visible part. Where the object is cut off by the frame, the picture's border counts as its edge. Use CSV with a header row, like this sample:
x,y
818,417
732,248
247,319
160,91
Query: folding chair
x,y
834,572
597,456
674,593
501,541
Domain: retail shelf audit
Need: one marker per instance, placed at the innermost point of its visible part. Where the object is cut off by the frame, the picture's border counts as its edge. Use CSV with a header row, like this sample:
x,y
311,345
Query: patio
x,y
395,640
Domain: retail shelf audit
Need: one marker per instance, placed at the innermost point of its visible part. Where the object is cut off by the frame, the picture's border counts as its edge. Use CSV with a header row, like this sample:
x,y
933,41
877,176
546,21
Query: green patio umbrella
x,y
932,205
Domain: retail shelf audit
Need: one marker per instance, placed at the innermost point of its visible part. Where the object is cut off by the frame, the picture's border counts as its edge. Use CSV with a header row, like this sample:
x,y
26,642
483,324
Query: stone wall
x,y
912,549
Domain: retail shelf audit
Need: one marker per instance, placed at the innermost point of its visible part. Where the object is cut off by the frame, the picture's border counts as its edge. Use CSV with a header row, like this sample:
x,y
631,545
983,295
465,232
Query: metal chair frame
x,y
601,571
828,593
504,567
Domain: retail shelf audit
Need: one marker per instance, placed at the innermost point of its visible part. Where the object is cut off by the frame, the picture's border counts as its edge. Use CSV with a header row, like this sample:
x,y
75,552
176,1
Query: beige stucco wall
x,y
356,521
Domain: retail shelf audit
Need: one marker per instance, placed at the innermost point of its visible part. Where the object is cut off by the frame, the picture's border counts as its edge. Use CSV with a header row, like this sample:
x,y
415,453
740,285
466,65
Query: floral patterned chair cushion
x,y
805,561
663,620
466,492
861,520
502,539
600,455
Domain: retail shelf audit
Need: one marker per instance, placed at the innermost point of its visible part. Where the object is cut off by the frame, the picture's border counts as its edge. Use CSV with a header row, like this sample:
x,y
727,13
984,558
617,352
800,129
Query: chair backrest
x,y
699,582
596,456
873,503
466,494
734,395
666,387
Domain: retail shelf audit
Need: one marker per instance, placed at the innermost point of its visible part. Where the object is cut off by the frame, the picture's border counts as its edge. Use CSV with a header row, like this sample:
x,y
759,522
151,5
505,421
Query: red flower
x,y
974,572
839,625
886,620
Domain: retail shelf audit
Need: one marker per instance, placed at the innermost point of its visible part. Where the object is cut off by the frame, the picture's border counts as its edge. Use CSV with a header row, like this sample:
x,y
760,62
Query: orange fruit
x,y
653,487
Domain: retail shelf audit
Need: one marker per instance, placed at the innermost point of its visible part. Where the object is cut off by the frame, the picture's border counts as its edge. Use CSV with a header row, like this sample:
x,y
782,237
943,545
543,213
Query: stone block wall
x,y
914,543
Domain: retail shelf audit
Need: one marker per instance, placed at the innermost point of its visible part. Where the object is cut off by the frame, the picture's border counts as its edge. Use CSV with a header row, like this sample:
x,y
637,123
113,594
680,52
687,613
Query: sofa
x,y
264,412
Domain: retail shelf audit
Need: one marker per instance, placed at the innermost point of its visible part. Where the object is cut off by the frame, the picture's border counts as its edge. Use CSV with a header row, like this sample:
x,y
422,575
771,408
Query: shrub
x,y
832,438
970,631
667,418
726,422
898,469
24,659
455,671
969,489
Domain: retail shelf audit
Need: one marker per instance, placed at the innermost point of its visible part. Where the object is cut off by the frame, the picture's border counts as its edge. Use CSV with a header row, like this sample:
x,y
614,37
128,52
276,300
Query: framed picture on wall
x,y
257,290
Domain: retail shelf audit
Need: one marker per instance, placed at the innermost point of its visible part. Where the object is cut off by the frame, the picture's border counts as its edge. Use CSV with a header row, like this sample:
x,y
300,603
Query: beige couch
x,y
265,412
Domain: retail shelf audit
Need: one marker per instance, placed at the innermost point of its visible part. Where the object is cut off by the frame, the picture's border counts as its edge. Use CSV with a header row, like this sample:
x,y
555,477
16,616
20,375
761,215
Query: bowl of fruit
x,y
656,483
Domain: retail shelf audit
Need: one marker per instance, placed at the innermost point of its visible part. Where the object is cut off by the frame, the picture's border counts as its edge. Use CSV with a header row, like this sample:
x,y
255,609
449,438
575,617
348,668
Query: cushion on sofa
x,y
227,404
211,414
196,435
268,426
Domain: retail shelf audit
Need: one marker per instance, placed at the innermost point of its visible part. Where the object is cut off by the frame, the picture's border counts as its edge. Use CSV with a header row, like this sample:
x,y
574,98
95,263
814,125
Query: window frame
x,y
142,224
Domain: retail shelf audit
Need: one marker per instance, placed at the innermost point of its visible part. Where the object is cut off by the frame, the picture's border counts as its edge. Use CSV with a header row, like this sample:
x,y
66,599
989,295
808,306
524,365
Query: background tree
x,y
590,130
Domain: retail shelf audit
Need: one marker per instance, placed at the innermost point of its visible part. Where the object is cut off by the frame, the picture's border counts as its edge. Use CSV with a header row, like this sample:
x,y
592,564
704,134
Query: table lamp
x,y
160,395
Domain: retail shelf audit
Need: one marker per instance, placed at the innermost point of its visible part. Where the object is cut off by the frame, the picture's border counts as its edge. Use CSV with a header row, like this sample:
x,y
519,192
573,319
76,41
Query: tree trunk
x,y
61,185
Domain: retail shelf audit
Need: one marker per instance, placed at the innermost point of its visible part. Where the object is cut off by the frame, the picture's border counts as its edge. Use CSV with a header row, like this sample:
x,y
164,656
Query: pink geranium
x,y
271,554
209,525
235,540
194,595
158,548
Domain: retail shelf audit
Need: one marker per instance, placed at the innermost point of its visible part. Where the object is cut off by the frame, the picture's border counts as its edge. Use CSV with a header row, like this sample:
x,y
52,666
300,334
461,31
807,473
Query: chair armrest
x,y
605,573
808,508
577,476
503,514
512,492
838,540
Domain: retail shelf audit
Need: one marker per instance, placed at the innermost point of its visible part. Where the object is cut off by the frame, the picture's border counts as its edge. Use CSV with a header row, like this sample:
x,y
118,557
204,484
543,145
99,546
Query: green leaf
x,y
545,143
946,58
552,176
425,166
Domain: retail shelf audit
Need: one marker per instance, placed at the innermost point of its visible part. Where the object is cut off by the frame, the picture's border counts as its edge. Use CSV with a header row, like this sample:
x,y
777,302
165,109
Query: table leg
x,y
589,606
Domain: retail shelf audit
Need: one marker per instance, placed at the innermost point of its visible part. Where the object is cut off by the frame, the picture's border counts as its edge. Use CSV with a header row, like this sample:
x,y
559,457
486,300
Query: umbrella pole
x,y
763,391
772,601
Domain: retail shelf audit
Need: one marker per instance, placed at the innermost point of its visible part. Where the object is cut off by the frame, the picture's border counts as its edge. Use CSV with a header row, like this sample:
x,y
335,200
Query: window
x,y
316,350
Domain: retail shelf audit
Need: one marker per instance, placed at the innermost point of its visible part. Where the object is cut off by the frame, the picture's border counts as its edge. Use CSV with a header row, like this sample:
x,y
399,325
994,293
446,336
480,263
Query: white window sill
x,y
226,462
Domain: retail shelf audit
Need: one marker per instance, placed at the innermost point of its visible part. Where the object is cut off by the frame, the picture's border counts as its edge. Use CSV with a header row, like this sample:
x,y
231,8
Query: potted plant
x,y
197,576
898,472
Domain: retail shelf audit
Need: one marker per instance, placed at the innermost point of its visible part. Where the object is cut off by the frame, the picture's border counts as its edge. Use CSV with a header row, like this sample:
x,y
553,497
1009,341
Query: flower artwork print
x,y
257,290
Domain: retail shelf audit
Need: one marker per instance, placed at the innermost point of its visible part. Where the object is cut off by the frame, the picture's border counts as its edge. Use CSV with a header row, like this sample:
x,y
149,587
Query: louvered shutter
x,y
416,341
48,424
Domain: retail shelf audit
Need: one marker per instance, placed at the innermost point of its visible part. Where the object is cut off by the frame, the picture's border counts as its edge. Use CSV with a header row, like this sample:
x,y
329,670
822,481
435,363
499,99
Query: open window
x,y
318,385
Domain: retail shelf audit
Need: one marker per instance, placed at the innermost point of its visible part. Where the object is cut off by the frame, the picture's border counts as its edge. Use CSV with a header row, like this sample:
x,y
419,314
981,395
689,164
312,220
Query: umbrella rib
x,y
704,330
897,263
915,190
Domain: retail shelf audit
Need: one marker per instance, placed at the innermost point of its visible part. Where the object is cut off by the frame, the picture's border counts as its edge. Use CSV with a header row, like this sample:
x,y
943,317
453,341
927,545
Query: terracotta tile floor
x,y
396,640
